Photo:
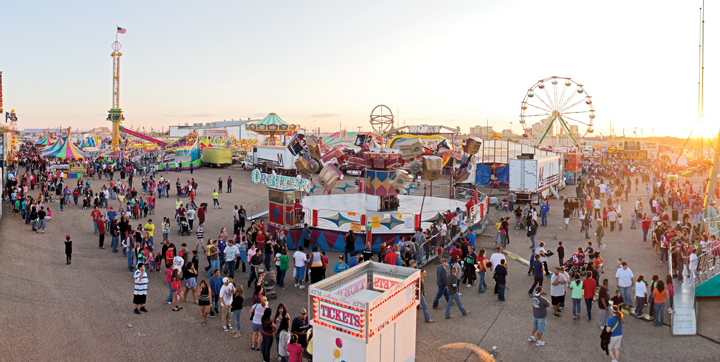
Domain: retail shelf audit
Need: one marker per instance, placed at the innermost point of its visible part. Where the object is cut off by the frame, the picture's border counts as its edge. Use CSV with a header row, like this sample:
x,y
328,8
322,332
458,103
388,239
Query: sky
x,y
329,63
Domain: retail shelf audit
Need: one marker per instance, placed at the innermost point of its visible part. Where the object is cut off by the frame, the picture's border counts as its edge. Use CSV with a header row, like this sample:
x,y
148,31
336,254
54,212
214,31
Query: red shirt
x,y
646,223
589,287
101,227
95,215
455,255
201,214
391,258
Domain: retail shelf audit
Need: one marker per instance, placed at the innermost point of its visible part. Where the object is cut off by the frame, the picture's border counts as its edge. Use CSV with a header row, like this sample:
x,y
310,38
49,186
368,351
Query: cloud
x,y
202,115
325,115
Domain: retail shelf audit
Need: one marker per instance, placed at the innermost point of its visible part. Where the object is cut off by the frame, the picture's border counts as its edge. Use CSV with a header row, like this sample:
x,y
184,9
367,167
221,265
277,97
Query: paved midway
x,y
82,312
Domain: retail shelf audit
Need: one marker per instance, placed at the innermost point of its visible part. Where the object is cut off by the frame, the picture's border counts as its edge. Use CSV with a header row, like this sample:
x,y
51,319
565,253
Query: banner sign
x,y
340,316
282,182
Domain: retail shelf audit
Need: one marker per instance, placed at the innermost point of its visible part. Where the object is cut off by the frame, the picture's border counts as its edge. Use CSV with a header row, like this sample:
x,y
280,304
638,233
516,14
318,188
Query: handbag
x,y
252,311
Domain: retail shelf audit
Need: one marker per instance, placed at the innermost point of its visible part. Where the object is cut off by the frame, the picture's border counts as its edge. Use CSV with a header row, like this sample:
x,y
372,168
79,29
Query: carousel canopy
x,y
67,150
272,124
52,146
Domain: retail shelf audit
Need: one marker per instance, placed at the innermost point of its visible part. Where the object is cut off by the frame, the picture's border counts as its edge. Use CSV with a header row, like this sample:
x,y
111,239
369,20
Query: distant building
x,y
481,131
537,128
100,130
231,127
507,133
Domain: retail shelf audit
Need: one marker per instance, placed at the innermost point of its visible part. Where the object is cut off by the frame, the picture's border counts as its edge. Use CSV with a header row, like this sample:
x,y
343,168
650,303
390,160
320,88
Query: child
x,y
152,261
619,219
619,261
671,292
158,257
633,218
561,252
243,252
617,299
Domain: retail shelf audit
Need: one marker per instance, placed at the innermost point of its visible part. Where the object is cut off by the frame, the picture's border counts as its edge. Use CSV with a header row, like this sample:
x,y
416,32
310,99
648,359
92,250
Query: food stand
x,y
367,313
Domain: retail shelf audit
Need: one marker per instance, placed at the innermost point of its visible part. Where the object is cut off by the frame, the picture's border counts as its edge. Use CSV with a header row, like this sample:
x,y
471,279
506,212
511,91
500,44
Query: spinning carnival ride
x,y
557,106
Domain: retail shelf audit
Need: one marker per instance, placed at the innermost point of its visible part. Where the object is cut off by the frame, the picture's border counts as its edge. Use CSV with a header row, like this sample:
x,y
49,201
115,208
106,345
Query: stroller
x,y
520,224
268,282
576,264
184,226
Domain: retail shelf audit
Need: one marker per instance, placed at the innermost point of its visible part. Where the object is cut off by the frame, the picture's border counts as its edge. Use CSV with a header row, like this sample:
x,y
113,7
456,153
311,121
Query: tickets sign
x,y
340,316
353,287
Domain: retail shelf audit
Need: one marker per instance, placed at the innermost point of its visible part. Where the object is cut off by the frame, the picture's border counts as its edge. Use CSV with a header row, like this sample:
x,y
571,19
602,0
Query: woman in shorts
x,y
204,300
189,273
257,312
614,326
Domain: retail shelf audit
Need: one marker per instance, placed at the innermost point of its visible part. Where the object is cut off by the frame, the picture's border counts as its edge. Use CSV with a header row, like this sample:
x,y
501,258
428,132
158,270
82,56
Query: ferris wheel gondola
x,y
557,104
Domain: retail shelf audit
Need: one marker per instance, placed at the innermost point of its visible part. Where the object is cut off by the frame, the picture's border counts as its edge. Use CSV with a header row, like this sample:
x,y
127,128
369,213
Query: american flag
x,y
121,30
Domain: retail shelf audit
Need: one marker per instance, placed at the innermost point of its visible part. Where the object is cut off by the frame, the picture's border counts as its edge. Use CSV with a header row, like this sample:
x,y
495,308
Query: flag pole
x,y
116,32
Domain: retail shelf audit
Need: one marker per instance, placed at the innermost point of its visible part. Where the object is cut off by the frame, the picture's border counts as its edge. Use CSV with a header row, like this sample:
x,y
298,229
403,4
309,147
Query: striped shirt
x,y
200,232
141,283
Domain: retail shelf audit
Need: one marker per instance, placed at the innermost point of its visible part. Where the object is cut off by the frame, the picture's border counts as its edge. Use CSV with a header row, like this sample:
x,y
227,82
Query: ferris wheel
x,y
558,107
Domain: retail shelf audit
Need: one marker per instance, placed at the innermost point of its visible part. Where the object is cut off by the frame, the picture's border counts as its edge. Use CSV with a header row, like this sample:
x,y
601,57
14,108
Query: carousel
x,y
272,126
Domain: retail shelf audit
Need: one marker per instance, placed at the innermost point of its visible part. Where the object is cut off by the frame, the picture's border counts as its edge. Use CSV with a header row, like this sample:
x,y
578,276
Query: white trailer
x,y
277,158
534,179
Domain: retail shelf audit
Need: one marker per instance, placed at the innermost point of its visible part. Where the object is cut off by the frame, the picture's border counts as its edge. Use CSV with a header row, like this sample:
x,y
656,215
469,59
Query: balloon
x,y
338,342
336,353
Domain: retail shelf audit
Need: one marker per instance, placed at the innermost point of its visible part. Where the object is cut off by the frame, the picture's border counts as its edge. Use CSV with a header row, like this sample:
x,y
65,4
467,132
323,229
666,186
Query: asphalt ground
x,y
83,311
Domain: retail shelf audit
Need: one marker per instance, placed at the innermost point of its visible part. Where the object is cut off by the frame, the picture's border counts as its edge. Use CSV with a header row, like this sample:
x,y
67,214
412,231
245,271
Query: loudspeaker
x,y
432,167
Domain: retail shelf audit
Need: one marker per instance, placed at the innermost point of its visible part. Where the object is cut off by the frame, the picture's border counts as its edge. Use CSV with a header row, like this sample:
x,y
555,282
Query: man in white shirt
x,y
596,207
693,265
557,290
226,298
624,280
602,189
299,258
443,233
496,257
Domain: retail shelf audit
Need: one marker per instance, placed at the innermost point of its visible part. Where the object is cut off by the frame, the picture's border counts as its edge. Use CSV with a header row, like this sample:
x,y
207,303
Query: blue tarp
x,y
482,177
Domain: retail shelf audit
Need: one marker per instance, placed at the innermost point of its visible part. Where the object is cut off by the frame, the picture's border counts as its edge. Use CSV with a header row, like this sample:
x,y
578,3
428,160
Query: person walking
x,y
423,303
589,287
68,250
577,294
501,272
540,306
299,259
599,233
614,327
537,274
453,282
226,298
442,276
268,330
204,302
141,283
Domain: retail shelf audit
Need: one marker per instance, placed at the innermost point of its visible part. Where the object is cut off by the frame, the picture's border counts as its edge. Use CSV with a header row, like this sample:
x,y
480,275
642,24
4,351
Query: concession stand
x,y
366,313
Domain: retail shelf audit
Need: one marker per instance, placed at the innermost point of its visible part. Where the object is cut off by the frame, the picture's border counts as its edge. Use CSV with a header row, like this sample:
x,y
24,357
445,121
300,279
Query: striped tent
x,y
52,145
67,150
42,141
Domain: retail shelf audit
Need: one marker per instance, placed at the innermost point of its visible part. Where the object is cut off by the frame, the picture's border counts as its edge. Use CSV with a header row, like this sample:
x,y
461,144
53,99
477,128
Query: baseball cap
x,y
538,290
225,280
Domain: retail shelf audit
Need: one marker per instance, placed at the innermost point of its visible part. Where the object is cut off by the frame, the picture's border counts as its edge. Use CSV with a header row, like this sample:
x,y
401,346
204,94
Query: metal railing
x,y
708,266
257,208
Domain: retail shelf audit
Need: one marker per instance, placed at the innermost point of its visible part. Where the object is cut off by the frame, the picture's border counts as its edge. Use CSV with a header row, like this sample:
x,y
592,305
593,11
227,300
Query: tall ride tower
x,y
115,114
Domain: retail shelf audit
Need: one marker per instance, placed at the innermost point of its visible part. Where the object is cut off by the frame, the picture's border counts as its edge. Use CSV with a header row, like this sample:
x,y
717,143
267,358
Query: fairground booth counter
x,y
366,313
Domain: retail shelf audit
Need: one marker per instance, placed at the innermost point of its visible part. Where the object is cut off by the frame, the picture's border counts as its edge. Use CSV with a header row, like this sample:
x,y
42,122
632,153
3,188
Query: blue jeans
x,y
501,292
214,265
216,202
266,346
625,293
532,239
576,306
95,225
456,298
503,239
588,306
236,316
511,205
281,278
659,314
170,296
231,265
114,243
215,302
424,308
229,189
543,219
645,232
442,291
481,282
130,258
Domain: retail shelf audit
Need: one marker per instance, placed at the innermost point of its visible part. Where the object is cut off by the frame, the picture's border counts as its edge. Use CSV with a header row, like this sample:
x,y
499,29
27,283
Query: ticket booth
x,y
367,313
281,212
